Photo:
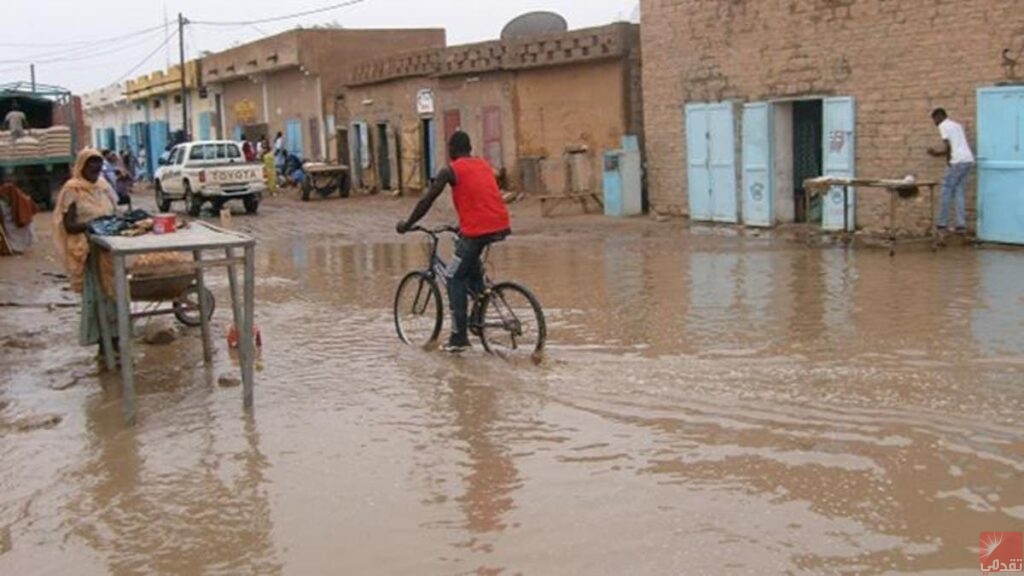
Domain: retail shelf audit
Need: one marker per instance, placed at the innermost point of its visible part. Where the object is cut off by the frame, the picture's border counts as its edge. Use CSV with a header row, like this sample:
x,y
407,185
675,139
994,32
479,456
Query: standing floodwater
x,y
708,404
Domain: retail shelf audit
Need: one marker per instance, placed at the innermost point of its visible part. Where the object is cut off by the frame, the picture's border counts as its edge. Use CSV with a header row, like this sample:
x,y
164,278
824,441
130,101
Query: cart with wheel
x,y
157,286
326,179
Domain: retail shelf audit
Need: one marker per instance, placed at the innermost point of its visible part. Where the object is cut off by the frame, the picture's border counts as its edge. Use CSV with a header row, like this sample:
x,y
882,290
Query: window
x,y
156,104
233,152
177,98
178,156
203,152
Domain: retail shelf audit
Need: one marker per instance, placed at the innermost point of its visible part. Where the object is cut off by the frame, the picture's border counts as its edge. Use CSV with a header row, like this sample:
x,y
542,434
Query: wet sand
x,y
712,402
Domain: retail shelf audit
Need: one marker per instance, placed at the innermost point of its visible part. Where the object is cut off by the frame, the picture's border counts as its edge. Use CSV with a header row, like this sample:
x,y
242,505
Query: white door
x,y
840,159
758,174
711,162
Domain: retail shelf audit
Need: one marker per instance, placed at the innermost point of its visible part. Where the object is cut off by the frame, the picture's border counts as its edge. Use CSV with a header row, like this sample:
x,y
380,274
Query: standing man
x,y
16,121
483,220
957,153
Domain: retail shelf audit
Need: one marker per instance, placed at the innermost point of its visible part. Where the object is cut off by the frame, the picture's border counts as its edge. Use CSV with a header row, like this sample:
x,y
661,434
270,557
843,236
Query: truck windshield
x,y
214,152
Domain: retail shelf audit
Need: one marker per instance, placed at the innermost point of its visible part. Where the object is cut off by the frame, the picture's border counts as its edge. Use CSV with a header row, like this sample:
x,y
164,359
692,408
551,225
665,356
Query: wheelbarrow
x,y
179,289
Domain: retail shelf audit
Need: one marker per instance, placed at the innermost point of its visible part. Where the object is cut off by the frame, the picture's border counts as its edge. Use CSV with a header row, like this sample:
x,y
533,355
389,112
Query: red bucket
x,y
164,223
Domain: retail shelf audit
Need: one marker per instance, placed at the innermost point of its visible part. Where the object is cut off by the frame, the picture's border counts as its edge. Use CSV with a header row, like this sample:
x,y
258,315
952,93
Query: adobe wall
x,y
899,60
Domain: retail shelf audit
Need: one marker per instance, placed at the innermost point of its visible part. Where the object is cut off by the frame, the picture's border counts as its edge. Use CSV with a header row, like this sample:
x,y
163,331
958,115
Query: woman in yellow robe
x,y
85,197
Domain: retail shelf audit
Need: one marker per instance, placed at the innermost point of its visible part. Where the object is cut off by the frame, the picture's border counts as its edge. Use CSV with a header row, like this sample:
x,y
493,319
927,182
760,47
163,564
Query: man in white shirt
x,y
957,153
16,121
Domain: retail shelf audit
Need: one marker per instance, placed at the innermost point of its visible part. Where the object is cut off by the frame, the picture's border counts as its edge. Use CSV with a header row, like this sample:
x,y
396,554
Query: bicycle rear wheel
x,y
512,323
418,310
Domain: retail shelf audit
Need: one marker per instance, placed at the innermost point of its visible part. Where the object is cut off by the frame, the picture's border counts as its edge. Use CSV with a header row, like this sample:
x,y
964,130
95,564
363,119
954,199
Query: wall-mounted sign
x,y
425,102
245,112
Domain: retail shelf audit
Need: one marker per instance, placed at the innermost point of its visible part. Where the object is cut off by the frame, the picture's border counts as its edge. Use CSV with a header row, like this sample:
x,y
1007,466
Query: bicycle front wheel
x,y
512,323
418,310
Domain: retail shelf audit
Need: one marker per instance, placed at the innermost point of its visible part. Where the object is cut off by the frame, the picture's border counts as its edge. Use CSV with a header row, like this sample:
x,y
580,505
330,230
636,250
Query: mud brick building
x,y
289,82
744,99
523,101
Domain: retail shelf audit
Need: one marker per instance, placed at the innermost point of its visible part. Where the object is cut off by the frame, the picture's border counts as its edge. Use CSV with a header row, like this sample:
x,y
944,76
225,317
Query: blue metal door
x,y
840,157
158,136
110,139
293,137
711,162
1001,165
758,160
722,158
204,125
698,173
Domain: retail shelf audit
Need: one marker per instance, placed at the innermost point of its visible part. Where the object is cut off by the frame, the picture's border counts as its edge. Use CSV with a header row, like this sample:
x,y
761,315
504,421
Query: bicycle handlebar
x,y
436,231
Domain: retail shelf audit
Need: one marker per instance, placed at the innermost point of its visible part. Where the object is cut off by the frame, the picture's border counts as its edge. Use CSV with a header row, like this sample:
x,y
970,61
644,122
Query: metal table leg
x,y
246,343
204,321
124,324
104,315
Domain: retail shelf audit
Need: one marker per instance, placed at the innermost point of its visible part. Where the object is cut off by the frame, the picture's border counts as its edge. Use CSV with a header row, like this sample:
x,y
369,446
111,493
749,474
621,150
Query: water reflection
x,y
998,316
188,502
492,477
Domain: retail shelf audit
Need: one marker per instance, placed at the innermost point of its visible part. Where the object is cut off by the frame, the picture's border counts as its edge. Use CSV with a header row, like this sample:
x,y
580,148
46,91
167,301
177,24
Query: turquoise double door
x,y
712,166
1001,165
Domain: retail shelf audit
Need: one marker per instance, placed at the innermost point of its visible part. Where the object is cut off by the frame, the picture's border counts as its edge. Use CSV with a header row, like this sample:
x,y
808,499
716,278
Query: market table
x,y
895,187
198,238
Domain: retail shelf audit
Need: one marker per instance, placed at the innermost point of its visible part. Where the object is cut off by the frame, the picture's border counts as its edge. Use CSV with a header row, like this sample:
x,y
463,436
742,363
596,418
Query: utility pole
x,y
32,71
184,87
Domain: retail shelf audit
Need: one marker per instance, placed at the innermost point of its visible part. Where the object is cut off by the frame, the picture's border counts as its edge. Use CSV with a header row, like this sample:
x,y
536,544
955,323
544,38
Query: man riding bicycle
x,y
483,220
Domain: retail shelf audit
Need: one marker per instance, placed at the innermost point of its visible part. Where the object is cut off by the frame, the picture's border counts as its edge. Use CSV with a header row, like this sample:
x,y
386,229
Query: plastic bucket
x,y
164,224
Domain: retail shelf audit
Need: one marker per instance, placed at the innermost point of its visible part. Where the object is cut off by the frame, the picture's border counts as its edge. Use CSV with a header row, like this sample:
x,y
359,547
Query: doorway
x,y
808,156
798,141
383,157
344,150
428,134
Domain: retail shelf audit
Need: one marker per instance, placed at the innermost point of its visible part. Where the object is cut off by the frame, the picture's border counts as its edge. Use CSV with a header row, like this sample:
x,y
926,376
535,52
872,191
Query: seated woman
x,y
16,212
85,197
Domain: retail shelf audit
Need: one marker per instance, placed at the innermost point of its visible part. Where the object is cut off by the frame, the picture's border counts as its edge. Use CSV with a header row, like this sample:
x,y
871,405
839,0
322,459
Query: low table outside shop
x,y
820,186
200,239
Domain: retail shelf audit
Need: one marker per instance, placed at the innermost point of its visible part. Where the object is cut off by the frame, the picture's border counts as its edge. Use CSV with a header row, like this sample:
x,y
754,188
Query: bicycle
x,y
506,316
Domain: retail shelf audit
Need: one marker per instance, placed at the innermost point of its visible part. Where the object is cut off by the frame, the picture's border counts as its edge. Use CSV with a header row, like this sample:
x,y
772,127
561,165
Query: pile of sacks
x,y
52,142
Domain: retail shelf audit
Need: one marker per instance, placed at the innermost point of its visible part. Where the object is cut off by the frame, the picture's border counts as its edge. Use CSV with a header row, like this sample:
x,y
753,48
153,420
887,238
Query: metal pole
x,y
184,89
32,72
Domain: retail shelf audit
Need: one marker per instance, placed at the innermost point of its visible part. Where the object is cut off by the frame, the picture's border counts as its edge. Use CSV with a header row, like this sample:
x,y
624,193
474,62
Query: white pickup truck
x,y
212,171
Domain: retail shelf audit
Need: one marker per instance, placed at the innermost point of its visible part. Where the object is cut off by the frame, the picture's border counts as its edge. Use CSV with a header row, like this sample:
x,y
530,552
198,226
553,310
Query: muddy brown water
x,y
710,404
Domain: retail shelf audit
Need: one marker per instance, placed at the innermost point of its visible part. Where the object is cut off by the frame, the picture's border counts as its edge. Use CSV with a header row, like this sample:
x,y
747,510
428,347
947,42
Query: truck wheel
x,y
252,204
193,202
162,202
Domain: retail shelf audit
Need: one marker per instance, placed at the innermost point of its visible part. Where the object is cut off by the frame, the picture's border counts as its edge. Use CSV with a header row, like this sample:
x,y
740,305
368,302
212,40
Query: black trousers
x,y
465,277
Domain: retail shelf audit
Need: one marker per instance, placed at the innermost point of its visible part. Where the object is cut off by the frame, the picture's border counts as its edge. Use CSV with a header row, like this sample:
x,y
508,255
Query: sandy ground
x,y
713,401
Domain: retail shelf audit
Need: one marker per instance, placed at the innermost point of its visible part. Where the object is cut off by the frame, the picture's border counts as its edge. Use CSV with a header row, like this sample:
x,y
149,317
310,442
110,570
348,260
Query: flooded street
x,y
711,403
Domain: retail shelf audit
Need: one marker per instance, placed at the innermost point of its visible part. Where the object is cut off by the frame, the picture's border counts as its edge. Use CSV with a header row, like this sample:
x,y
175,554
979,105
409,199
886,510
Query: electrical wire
x,y
79,42
83,53
147,58
278,18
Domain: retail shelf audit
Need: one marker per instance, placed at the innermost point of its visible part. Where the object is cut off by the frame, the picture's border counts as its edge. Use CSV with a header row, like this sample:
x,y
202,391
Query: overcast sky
x,y
83,46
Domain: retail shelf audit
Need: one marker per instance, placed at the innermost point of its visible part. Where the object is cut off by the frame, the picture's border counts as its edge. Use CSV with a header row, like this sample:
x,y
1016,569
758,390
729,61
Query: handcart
x,y
326,179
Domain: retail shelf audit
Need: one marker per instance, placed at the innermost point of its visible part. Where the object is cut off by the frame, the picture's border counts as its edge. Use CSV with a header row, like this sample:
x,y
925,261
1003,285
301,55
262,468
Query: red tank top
x,y
477,198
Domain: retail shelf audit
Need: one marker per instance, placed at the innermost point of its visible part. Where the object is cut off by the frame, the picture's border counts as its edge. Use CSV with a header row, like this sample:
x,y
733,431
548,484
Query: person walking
x,y
960,160
483,220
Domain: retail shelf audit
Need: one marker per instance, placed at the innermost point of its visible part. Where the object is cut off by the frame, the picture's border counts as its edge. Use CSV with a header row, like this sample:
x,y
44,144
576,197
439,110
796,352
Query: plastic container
x,y
165,224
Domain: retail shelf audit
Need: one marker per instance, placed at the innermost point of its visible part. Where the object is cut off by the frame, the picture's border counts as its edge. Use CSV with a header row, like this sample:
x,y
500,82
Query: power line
x,y
79,42
286,17
147,58
83,53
